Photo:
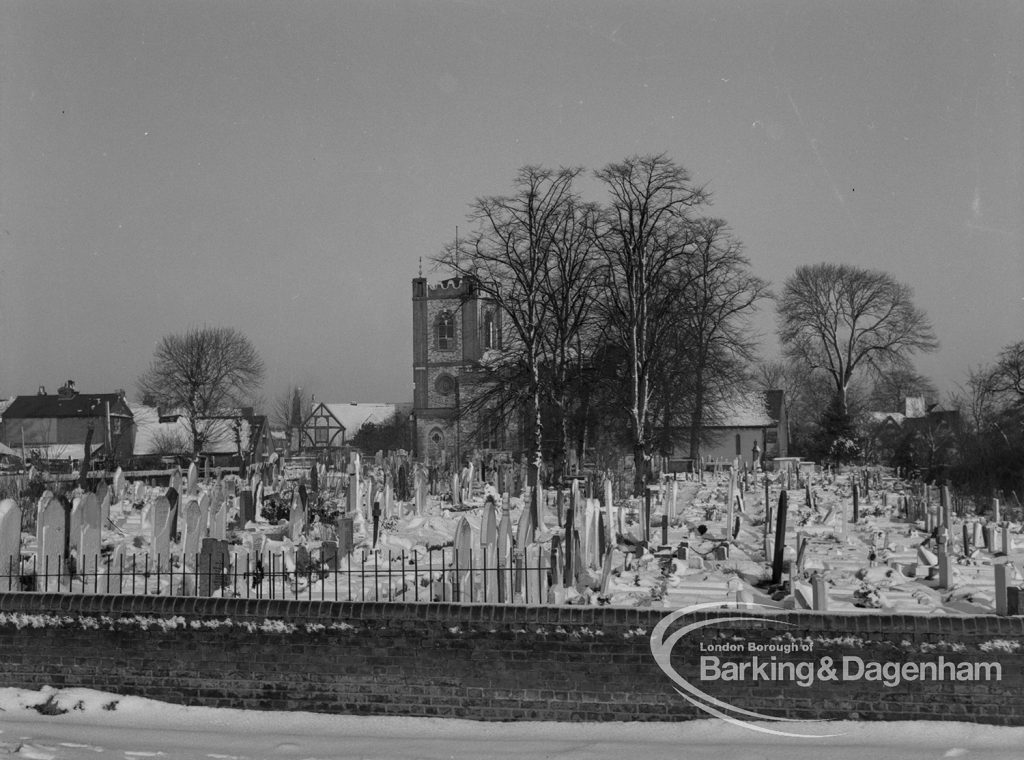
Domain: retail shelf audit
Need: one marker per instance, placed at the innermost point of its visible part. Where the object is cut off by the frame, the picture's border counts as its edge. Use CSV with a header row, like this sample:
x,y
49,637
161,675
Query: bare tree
x,y
506,258
206,374
1008,373
568,290
717,294
643,233
890,389
167,443
840,318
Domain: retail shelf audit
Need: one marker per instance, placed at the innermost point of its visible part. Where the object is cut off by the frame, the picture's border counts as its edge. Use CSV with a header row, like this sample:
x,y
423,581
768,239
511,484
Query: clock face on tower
x,y
445,385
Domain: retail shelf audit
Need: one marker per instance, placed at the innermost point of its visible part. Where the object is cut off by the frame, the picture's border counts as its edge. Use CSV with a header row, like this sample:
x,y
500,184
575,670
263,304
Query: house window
x,y
490,331
115,426
321,435
739,446
445,331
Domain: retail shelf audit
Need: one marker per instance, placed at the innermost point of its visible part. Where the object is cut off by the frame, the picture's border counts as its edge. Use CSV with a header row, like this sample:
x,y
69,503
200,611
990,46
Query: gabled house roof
x,y
70,405
353,416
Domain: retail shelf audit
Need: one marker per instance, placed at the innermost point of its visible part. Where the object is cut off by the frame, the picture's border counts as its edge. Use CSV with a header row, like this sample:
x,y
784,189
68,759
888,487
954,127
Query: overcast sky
x,y
280,167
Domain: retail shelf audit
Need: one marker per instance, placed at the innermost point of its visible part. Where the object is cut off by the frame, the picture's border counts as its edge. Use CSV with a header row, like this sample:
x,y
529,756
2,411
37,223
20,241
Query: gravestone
x,y
246,508
329,554
10,544
504,547
421,489
105,509
1002,581
50,536
160,529
214,559
945,569
204,515
118,485
463,542
301,558
819,591
536,588
74,522
174,499
346,535
87,537
219,519
102,490
191,535
296,517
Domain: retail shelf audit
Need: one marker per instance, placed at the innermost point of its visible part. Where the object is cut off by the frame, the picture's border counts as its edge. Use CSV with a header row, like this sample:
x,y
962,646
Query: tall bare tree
x,y
840,318
645,230
206,374
717,294
507,257
568,289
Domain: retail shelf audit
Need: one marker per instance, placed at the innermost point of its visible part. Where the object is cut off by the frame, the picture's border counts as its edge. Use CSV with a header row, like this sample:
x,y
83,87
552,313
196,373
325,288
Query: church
x,y
454,328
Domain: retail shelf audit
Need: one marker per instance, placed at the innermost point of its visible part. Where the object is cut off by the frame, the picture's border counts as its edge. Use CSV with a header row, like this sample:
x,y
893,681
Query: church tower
x,y
452,329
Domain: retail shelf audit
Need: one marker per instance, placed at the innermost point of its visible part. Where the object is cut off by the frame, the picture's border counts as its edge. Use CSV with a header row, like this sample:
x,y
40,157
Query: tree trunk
x,y
538,444
697,419
640,465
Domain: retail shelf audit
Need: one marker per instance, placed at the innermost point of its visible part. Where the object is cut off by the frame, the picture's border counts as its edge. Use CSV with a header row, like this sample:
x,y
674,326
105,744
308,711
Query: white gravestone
x,y
10,544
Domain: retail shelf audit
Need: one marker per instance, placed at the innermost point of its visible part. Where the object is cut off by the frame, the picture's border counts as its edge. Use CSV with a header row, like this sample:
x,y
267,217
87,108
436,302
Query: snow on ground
x,y
103,725
873,565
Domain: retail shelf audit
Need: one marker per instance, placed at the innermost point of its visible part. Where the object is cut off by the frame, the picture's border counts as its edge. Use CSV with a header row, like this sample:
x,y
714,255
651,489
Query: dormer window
x,y
445,331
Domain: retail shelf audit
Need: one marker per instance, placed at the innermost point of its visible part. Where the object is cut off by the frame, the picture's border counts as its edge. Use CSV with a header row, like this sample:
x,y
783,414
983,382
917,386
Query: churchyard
x,y
797,537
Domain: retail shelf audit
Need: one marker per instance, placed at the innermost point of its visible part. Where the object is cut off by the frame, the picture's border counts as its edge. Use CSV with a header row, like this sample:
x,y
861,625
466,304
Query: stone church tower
x,y
452,328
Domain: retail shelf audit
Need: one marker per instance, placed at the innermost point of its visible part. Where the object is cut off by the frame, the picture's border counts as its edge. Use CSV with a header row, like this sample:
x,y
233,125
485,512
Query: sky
x,y
282,167
139,728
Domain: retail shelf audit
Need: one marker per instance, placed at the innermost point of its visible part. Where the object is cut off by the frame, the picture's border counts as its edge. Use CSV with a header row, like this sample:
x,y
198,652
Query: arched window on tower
x,y
490,331
435,445
445,329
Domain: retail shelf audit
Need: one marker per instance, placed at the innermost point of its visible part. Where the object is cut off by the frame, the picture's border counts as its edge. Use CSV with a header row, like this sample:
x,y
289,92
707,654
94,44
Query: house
x,y
56,426
922,436
755,417
167,434
330,427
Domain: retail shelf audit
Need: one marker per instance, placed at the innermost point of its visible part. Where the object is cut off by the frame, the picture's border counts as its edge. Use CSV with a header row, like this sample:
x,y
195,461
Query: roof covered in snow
x,y
752,409
152,435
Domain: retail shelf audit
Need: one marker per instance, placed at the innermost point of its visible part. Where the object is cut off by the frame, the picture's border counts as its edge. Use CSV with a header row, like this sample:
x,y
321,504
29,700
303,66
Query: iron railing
x,y
439,575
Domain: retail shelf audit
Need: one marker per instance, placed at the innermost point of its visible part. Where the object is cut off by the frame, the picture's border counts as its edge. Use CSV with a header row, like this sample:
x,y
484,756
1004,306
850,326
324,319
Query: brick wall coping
x,y
481,615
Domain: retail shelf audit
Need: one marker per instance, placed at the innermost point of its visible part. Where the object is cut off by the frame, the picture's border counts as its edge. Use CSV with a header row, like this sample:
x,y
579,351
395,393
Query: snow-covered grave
x,y
346,536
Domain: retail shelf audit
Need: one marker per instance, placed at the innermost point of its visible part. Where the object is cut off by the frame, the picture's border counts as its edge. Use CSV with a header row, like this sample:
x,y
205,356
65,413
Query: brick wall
x,y
481,661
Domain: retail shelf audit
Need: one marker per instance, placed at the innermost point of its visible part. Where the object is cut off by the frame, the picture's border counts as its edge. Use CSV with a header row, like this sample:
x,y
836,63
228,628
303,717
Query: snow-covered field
x,y
101,725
